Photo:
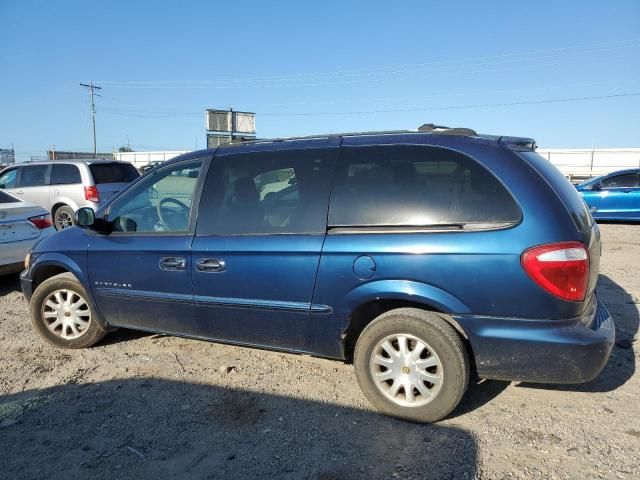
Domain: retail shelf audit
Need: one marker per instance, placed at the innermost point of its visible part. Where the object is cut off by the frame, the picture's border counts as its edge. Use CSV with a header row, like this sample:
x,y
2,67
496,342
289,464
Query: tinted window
x,y
268,192
627,180
113,172
416,186
6,198
64,173
8,178
563,188
33,176
160,203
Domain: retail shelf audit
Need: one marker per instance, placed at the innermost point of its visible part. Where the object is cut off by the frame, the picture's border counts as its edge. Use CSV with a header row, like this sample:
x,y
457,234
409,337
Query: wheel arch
x,y
51,264
367,302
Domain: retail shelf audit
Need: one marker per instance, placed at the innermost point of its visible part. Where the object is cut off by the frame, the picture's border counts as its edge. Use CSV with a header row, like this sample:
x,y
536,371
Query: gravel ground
x,y
151,406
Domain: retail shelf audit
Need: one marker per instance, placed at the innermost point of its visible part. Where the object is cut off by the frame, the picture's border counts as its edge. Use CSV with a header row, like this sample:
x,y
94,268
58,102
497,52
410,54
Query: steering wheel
x,y
162,203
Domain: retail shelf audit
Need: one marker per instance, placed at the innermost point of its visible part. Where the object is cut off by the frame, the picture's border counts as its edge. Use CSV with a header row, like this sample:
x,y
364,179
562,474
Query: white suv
x,y
63,186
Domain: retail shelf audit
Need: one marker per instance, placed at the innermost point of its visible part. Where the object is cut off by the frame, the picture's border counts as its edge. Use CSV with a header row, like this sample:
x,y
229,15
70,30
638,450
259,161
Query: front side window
x,y
33,176
65,174
8,179
416,186
627,180
160,203
267,193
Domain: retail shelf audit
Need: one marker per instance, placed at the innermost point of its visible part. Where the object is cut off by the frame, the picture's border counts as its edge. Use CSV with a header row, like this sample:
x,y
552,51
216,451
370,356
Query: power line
x,y
460,107
168,110
271,80
151,114
407,76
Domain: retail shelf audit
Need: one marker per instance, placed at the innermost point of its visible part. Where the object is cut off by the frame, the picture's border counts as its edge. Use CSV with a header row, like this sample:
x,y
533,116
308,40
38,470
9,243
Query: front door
x,y
261,226
33,184
140,273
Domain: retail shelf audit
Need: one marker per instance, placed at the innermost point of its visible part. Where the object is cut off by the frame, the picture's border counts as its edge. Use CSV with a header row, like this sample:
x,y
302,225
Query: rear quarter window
x,y
417,186
113,172
564,189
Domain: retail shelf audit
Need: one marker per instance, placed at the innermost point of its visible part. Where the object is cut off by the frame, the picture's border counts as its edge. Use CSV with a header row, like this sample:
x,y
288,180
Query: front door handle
x,y
19,193
173,263
211,265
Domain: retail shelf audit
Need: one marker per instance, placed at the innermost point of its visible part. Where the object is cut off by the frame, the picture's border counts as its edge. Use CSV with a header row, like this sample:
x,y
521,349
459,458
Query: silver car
x,y
22,224
63,186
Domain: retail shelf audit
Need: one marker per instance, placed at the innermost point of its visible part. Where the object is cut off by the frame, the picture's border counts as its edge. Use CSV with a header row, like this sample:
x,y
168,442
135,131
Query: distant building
x,y
581,163
140,159
7,156
56,155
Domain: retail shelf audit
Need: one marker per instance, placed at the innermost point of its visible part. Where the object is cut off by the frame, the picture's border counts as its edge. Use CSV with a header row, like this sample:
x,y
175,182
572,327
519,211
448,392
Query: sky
x,y
565,73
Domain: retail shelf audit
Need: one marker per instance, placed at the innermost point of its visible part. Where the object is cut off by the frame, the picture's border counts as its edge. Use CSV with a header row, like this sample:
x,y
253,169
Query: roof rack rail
x,y
426,128
442,130
320,136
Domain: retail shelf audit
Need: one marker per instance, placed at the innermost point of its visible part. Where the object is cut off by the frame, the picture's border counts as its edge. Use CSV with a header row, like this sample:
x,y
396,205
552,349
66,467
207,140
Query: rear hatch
x,y
587,229
111,177
14,219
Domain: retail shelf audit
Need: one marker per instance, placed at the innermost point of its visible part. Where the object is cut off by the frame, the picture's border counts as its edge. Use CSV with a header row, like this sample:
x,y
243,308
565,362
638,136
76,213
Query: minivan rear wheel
x,y
62,315
63,217
412,364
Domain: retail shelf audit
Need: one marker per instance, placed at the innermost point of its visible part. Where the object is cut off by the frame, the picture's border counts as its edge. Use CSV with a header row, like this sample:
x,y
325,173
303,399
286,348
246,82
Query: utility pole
x,y
91,87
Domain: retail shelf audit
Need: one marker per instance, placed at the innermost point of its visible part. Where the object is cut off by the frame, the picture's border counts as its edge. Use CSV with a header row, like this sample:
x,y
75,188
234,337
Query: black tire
x,y
65,282
442,339
62,216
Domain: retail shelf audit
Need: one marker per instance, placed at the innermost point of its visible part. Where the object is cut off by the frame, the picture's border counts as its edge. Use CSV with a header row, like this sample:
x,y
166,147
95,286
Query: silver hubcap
x,y
66,314
63,220
406,370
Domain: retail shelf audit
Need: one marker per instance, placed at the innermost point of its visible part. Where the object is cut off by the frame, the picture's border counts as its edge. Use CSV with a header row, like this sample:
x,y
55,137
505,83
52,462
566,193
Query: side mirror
x,y
3,186
596,187
85,217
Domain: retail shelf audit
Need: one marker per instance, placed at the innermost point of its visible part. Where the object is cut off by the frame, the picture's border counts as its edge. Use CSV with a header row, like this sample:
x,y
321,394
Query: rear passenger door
x,y
261,226
66,184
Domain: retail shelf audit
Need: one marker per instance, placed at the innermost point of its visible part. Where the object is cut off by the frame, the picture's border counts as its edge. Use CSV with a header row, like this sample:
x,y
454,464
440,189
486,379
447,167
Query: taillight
x,y
560,268
42,221
91,194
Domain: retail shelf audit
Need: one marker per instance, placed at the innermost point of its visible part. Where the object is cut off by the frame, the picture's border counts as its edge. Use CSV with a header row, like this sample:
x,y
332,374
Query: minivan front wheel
x,y
62,315
63,217
412,364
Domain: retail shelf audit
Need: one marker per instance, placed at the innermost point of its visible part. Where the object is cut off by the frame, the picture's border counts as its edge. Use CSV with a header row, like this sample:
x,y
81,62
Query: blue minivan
x,y
420,257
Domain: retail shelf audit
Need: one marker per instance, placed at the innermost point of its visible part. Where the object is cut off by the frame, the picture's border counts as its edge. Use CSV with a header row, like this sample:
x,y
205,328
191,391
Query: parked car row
x,y
416,256
64,186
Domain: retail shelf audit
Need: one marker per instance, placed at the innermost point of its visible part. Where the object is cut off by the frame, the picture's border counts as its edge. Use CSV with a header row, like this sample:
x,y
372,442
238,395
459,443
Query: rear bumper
x,y
544,351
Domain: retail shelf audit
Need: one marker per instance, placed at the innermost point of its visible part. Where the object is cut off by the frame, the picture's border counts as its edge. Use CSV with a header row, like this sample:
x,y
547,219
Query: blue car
x,y
419,257
615,196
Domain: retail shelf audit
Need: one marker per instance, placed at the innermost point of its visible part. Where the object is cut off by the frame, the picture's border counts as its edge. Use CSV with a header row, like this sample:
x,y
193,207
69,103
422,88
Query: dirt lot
x,y
150,406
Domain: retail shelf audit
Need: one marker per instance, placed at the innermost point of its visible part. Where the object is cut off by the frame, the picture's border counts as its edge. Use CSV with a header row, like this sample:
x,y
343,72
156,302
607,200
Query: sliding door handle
x,y
211,265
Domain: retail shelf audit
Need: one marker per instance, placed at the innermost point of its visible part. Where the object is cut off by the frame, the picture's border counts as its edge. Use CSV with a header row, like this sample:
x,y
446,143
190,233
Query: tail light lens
x,y
91,194
562,269
41,221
